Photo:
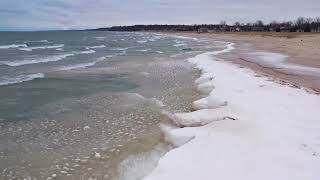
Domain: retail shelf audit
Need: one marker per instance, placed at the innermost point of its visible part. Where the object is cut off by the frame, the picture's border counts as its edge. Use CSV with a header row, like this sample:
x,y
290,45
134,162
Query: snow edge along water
x,y
249,125
177,140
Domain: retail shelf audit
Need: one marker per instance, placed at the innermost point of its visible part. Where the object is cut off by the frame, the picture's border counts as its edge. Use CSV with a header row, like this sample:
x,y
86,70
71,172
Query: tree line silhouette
x,y
299,25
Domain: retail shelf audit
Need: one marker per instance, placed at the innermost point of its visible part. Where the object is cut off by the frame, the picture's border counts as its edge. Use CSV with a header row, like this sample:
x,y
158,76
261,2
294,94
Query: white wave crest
x,y
83,65
5,80
42,47
37,60
40,41
184,37
78,66
119,49
180,44
96,47
12,46
88,52
154,38
142,41
100,37
143,50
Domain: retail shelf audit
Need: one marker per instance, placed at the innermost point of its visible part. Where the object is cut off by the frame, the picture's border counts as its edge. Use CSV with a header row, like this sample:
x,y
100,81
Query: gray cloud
x,y
78,14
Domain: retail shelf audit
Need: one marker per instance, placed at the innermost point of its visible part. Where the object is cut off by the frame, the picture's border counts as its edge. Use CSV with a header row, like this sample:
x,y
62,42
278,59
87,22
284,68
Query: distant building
x,y
235,29
203,30
213,30
284,29
272,29
222,28
238,29
257,29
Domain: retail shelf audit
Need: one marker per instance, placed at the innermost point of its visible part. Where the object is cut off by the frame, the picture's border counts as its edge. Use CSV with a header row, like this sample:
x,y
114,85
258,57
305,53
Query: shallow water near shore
x,y
87,105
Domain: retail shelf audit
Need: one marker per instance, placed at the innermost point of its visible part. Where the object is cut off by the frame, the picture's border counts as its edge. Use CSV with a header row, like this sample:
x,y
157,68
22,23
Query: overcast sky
x,y
80,14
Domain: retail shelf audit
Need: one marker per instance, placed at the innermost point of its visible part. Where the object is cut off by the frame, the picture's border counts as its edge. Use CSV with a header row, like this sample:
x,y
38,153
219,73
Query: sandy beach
x,y
302,49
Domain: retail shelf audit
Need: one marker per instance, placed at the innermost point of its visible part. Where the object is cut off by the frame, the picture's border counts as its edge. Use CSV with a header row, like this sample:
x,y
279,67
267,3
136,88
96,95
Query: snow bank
x,y
247,128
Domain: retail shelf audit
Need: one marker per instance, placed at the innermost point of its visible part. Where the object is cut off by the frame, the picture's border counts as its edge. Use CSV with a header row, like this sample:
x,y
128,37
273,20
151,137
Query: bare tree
x,y
223,23
259,23
274,24
317,24
249,24
237,24
300,22
308,20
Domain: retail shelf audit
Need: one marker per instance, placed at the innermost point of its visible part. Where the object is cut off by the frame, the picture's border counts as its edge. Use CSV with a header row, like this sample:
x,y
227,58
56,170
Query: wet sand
x,y
301,48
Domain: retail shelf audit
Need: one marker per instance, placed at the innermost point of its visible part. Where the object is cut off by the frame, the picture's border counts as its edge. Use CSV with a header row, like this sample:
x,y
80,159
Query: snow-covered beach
x,y
246,126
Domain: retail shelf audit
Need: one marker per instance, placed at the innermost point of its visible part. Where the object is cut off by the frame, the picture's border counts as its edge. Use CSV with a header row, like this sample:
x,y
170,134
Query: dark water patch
x,y
20,101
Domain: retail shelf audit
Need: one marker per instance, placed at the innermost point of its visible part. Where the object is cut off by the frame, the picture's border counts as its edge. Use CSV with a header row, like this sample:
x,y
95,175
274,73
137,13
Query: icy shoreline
x,y
247,127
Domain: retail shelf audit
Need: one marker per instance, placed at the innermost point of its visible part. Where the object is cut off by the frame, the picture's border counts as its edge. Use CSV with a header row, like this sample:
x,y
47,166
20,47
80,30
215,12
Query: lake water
x,y
87,105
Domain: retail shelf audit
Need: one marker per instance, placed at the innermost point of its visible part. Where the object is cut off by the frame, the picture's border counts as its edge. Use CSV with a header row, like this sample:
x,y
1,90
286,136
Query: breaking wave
x,y
88,52
40,41
142,41
42,47
37,60
5,80
143,50
78,66
96,47
119,49
12,46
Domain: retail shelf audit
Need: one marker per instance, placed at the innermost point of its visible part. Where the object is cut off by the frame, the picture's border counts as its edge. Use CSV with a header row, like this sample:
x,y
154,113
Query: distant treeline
x,y
300,25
